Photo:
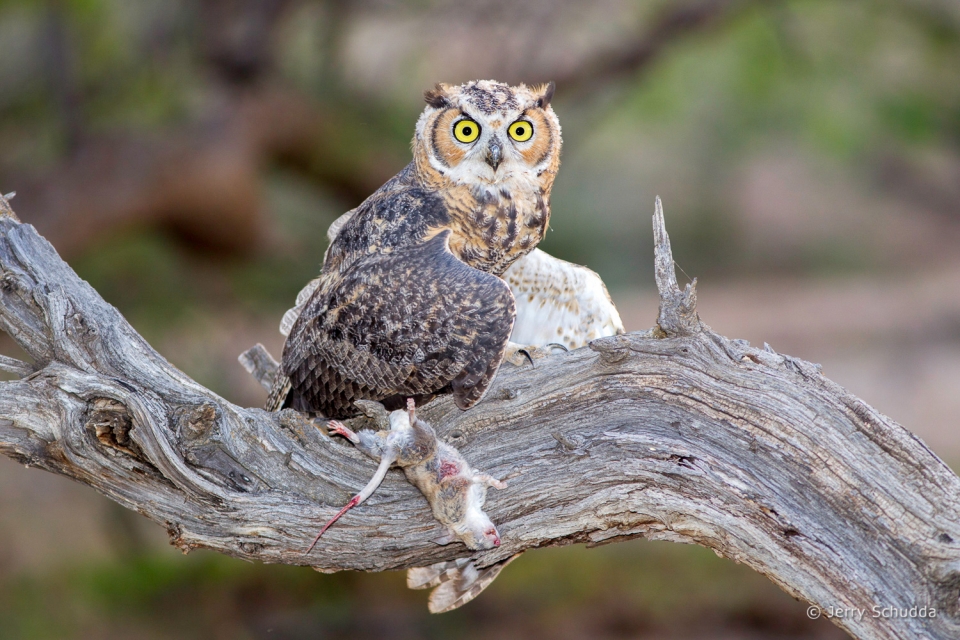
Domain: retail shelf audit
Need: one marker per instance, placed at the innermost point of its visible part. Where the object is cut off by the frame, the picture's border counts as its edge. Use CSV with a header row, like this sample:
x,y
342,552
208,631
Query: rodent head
x,y
477,531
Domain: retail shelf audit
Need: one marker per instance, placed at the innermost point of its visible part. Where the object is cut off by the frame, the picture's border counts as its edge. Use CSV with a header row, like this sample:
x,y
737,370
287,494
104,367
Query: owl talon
x,y
529,356
517,354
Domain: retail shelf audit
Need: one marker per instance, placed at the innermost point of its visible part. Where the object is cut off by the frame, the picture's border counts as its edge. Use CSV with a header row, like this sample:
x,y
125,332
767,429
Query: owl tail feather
x,y
457,582
278,393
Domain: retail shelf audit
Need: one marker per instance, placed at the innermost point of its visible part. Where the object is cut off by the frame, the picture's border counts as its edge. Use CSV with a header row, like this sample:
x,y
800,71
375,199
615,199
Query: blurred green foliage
x,y
615,591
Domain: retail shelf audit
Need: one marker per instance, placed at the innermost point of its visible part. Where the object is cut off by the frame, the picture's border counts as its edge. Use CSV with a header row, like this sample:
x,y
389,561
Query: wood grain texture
x,y
674,434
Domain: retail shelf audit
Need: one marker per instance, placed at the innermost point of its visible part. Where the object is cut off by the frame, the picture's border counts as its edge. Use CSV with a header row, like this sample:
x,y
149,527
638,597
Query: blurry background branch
x,y
673,23
202,181
675,434
202,178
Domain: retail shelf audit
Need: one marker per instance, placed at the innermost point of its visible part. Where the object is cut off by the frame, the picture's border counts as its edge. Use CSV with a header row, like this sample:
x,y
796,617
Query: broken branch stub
x,y
678,434
678,309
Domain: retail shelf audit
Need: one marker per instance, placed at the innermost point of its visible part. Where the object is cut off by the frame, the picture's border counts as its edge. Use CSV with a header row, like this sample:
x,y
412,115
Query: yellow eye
x,y
466,131
521,131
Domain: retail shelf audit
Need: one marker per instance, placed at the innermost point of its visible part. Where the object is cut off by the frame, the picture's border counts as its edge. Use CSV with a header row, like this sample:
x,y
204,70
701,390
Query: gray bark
x,y
673,434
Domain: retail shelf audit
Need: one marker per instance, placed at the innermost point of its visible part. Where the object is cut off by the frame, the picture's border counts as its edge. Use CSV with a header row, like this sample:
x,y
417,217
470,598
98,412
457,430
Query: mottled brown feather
x,y
408,323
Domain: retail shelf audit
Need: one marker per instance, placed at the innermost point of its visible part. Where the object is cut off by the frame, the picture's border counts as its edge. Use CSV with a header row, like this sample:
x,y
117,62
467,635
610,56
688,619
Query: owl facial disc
x,y
490,135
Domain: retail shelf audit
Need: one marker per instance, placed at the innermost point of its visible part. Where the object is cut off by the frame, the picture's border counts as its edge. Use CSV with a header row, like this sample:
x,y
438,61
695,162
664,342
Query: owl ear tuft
x,y
437,97
546,94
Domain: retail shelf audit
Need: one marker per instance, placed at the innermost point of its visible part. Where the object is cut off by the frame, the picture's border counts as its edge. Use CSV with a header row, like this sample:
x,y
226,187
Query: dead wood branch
x,y
676,434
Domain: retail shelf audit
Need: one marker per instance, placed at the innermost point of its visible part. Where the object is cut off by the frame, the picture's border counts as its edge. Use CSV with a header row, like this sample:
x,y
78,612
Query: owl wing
x,y
558,301
409,322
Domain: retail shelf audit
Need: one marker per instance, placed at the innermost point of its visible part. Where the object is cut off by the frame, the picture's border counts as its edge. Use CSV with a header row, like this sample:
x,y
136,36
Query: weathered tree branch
x,y
676,434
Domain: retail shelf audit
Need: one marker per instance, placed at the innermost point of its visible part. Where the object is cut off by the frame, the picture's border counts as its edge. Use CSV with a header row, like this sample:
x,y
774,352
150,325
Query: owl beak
x,y
494,154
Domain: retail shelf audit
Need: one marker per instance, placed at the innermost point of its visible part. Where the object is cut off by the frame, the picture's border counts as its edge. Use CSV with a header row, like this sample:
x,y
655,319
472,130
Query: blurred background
x,y
187,156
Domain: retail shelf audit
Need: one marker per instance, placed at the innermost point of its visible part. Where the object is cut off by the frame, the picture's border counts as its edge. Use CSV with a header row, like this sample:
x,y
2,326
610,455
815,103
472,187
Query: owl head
x,y
486,133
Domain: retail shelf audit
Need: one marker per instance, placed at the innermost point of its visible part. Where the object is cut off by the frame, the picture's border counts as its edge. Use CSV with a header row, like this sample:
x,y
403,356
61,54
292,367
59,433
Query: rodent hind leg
x,y
412,410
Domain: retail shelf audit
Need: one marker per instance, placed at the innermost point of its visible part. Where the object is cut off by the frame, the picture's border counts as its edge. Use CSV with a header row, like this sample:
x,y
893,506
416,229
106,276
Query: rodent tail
x,y
387,459
350,505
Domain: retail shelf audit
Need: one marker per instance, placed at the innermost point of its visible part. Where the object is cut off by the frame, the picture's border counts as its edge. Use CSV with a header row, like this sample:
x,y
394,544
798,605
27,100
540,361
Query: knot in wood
x,y
375,412
175,531
111,422
946,593
77,326
571,444
197,422
612,350
10,283
507,394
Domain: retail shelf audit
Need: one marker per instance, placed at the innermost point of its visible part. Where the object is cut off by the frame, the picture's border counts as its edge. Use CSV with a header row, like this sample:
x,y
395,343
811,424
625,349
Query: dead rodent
x,y
456,491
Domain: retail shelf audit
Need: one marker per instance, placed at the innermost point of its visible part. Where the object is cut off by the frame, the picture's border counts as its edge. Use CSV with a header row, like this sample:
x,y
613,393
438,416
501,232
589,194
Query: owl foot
x,y
517,354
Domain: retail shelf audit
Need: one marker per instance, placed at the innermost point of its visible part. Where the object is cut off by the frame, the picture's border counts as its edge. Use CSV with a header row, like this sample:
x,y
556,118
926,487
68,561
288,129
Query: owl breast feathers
x,y
413,299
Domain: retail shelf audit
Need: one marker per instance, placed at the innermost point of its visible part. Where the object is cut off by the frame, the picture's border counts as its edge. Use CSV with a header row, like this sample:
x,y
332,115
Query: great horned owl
x,y
412,299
